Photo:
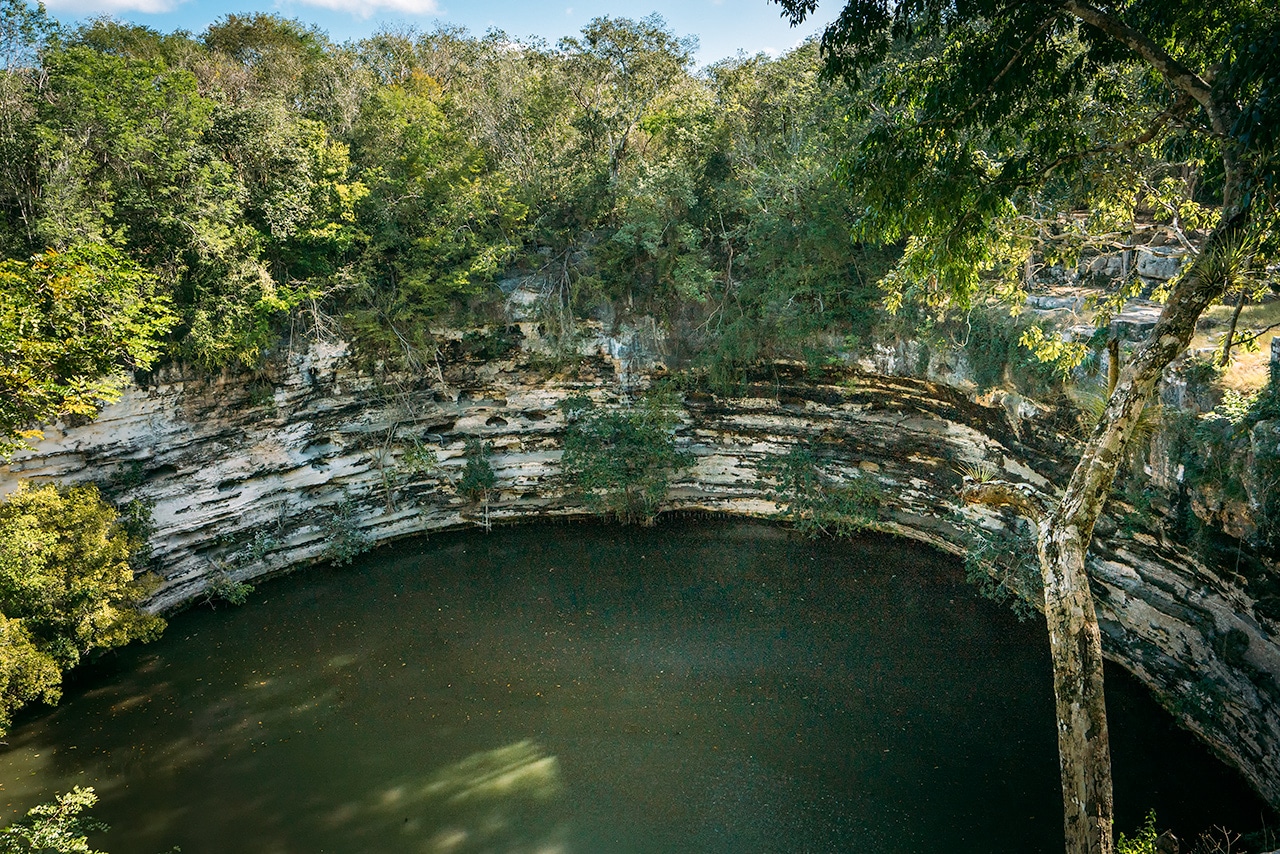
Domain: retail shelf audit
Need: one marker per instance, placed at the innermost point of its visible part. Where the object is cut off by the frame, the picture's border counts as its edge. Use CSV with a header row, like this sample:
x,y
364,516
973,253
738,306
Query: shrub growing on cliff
x,y
817,502
343,539
223,588
478,477
1004,566
620,461
66,589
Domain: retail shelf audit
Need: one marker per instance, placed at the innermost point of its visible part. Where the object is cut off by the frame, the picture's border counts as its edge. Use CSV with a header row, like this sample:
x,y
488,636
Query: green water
x,y
711,688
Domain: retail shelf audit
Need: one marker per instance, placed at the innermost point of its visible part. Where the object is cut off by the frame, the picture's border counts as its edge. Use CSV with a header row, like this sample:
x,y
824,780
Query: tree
x,y
615,71
71,324
23,32
620,461
65,571
982,111
298,194
440,218
265,57
782,219
54,828
27,674
478,477
67,587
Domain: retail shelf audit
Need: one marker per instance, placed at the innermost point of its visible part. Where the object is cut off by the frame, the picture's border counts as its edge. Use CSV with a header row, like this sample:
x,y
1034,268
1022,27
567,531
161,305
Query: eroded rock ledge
x,y
248,478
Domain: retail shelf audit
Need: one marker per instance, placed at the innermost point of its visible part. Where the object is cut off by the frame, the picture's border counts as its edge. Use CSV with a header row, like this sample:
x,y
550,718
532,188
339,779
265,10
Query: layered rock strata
x,y
250,477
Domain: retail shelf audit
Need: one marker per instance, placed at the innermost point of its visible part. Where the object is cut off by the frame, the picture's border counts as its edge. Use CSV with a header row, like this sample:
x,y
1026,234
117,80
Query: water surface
x,y
689,688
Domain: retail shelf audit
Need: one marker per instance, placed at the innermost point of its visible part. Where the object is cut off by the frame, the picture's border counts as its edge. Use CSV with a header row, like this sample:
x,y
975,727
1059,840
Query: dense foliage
x,y
219,190
620,461
995,128
66,588
56,827
68,322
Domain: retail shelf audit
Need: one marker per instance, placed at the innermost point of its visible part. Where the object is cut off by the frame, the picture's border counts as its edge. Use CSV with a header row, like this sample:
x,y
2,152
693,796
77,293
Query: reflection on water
x,y
720,688
493,801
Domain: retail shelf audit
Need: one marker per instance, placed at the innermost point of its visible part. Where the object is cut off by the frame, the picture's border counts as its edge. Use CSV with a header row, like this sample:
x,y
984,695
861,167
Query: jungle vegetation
x,y
994,124
208,198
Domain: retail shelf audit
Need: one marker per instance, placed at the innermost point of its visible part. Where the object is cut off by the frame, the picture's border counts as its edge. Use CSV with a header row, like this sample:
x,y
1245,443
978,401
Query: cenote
x,y
718,687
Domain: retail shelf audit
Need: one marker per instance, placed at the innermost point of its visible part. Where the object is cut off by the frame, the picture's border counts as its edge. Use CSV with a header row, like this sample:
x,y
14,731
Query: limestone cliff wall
x,y
248,477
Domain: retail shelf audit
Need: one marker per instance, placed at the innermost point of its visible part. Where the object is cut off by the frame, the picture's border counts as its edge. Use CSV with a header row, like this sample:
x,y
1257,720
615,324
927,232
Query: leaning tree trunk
x,y
1074,638
1075,642
1075,648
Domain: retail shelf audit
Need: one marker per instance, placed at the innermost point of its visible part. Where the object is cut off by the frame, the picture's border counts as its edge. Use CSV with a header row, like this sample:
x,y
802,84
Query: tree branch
x,y
1249,339
1179,76
1177,110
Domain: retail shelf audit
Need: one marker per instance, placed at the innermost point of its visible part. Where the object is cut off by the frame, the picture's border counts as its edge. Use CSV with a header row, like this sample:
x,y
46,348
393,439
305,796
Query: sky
x,y
723,27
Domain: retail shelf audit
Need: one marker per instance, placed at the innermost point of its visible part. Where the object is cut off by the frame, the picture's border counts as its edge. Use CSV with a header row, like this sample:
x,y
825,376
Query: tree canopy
x,y
998,129
258,179
67,588
70,322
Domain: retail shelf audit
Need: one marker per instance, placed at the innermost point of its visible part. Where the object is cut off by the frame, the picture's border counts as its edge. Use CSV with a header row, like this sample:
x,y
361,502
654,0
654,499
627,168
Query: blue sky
x,y
723,27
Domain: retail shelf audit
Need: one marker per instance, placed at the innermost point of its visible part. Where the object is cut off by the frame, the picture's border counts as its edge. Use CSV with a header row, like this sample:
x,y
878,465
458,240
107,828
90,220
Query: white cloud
x,y
367,8
111,7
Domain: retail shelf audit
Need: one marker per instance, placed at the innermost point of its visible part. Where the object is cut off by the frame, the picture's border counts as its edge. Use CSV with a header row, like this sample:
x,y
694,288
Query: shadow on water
x,y
719,687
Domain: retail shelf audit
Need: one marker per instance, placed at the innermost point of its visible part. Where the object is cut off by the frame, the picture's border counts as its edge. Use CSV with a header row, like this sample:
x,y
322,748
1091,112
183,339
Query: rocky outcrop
x,y
246,478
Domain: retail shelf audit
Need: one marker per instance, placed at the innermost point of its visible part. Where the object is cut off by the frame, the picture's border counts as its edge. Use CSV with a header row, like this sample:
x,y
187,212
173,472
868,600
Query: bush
x,y
223,588
620,461
1005,567
344,541
478,478
27,673
817,502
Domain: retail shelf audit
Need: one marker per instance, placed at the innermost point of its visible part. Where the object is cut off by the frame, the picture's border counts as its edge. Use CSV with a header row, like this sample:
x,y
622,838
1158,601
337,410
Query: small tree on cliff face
x,y
478,477
990,124
620,461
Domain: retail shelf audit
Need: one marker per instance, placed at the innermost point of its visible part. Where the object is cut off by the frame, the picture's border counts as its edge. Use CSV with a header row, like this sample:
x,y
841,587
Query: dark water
x,y
711,688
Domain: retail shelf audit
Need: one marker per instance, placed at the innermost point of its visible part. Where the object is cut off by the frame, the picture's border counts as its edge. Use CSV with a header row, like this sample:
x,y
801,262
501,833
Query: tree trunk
x,y
1113,365
1074,638
1231,332
1075,648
